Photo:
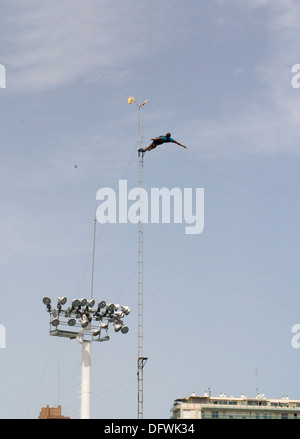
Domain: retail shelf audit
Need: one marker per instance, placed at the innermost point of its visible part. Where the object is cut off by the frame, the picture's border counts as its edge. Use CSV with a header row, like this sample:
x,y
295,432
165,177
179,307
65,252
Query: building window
x,y
186,414
284,415
214,414
267,416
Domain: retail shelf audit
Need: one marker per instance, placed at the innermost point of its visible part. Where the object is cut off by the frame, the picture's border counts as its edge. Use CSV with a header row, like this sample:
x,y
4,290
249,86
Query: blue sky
x,y
219,304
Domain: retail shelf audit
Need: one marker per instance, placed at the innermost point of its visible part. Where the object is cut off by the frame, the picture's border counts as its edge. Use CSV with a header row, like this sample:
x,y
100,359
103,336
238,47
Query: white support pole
x,y
86,380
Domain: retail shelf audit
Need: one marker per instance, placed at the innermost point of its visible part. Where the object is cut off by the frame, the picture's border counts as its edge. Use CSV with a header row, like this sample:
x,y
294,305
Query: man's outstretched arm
x,y
177,143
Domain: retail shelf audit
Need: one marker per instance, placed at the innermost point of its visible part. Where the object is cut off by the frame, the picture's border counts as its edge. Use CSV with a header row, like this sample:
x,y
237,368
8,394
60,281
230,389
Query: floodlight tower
x,y
88,324
141,361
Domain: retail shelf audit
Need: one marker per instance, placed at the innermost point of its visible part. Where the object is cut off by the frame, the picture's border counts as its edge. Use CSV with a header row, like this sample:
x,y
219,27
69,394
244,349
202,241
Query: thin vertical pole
x,y
93,261
58,380
256,372
86,380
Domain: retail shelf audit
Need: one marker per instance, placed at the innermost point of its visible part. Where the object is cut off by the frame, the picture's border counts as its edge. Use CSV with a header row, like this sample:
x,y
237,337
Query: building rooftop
x,y
259,399
242,407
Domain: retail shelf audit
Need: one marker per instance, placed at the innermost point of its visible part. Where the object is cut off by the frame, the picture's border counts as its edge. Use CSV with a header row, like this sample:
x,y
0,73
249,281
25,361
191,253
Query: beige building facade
x,y
224,407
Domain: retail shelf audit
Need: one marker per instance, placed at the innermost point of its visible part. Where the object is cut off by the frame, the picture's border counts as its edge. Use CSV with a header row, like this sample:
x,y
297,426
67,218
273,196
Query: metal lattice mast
x,y
141,359
140,296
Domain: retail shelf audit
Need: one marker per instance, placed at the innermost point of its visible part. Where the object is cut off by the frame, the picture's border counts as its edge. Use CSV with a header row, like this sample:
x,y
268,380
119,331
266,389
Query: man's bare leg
x,y
152,146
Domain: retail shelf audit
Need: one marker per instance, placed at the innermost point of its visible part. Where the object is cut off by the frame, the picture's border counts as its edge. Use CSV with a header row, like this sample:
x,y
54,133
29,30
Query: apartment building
x,y
224,407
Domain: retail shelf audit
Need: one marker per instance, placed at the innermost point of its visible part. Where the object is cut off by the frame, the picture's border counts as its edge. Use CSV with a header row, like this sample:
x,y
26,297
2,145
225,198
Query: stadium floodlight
x,y
84,321
75,303
110,308
55,321
125,309
88,323
124,330
101,304
103,325
117,326
91,303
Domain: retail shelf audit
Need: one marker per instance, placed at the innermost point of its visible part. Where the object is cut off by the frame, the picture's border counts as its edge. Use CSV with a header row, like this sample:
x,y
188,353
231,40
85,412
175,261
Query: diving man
x,y
159,141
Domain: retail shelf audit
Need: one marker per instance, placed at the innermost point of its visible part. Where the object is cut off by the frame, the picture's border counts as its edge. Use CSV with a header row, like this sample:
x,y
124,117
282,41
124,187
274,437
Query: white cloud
x,y
54,43
57,43
49,44
271,124
249,4
283,33
254,132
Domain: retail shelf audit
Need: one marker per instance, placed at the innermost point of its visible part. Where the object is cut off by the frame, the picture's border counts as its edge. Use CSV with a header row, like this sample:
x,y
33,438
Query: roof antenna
x,y
256,373
58,382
